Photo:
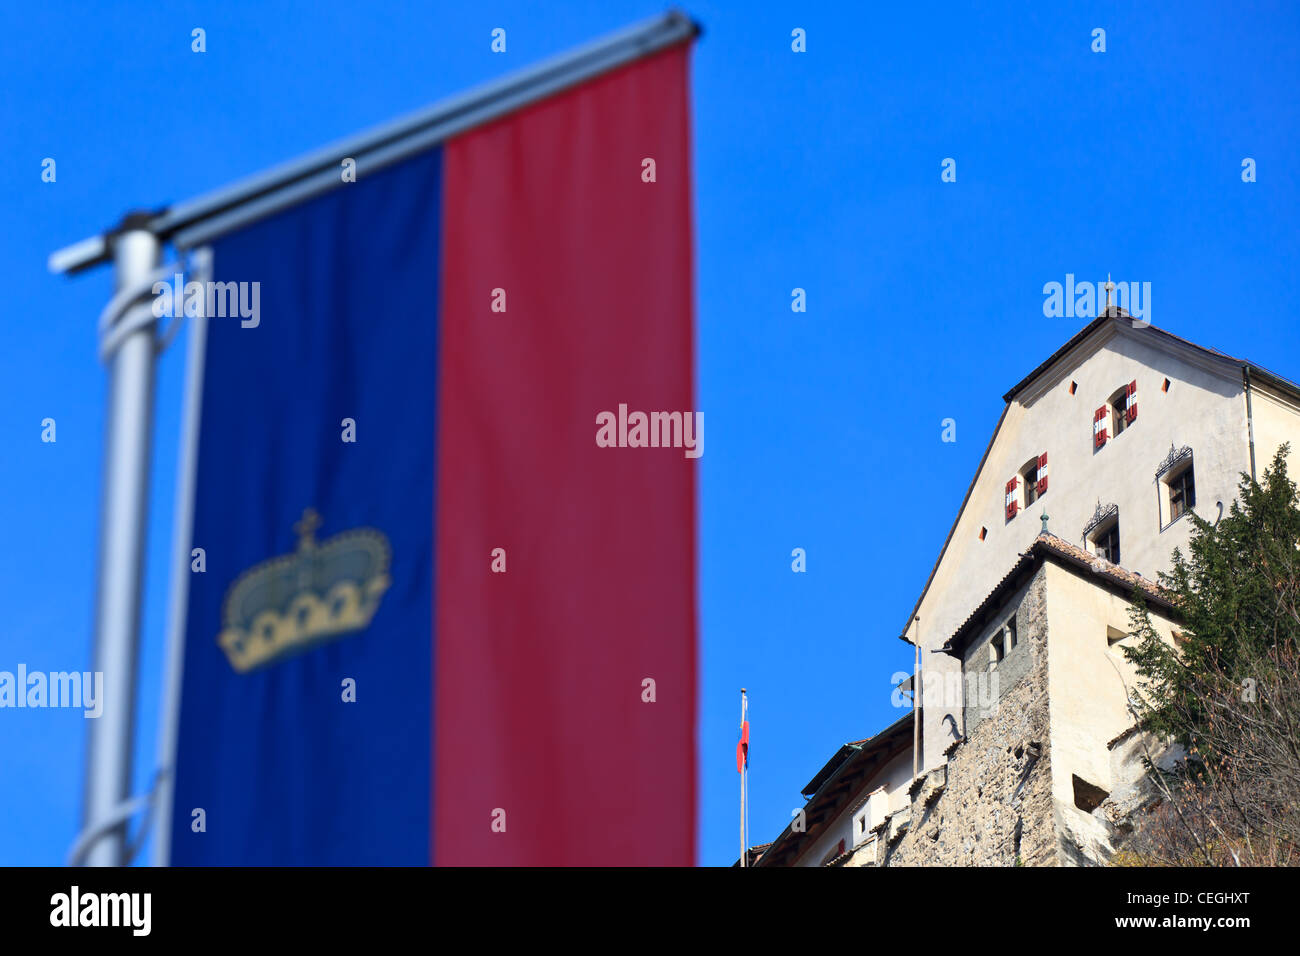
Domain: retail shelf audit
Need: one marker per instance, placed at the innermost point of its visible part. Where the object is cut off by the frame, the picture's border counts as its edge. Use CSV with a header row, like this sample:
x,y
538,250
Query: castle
x,y
1021,747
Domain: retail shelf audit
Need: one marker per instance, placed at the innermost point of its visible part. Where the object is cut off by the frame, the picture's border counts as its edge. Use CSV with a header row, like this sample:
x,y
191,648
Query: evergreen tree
x,y
1237,593
1228,689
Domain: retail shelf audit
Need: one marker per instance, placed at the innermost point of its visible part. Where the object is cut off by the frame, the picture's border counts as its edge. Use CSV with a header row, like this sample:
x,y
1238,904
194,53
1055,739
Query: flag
x,y
742,747
435,621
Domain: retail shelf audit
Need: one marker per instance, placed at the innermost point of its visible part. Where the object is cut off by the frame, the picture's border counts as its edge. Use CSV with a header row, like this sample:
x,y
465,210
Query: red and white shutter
x,y
1042,474
1131,402
1099,427
1012,504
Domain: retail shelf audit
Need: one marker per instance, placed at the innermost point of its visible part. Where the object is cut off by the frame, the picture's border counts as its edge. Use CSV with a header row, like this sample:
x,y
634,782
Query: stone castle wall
x,y
991,803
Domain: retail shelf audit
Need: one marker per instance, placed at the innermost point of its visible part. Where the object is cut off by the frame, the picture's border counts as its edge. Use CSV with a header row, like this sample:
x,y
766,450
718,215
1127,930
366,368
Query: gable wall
x,y
1203,408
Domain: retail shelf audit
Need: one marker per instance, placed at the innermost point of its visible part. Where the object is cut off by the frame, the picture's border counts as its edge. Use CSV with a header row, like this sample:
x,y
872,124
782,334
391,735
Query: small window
x,y
1030,477
1074,386
1182,493
1119,412
1105,542
997,649
1033,475
983,533
1117,639
1108,545
1011,635
1123,408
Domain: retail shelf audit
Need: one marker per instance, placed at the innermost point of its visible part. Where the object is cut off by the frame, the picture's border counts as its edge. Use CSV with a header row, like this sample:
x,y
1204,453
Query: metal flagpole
x,y
744,773
916,703
129,325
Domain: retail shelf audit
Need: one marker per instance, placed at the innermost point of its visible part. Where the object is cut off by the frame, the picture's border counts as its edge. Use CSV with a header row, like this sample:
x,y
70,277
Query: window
x,y
1011,634
1176,482
1105,542
1123,408
1119,412
1033,477
997,649
1182,493
1118,406
1117,639
1030,477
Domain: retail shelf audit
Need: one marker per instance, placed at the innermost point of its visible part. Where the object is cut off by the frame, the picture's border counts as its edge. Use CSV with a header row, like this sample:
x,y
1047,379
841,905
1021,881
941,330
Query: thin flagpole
x,y
747,786
916,703
744,773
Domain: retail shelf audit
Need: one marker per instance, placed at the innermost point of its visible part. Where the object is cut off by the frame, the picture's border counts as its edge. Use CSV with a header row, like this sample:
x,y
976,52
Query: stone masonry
x,y
991,804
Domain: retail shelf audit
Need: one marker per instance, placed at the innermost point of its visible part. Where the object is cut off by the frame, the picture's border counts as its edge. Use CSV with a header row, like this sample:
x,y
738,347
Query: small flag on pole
x,y
742,747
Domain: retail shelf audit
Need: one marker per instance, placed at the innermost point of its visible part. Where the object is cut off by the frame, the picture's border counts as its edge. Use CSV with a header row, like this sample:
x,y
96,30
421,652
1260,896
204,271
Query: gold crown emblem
x,y
296,601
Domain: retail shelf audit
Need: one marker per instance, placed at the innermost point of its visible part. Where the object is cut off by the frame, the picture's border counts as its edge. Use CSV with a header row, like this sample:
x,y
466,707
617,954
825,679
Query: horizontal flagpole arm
x,y
200,219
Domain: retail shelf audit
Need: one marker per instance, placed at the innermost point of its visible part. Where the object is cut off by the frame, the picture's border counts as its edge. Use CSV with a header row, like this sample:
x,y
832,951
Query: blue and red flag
x,y
430,603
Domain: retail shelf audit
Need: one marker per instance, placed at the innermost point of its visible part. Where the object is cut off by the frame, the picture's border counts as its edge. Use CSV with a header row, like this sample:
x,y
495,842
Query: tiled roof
x,y
1101,566
1049,545
838,784
754,854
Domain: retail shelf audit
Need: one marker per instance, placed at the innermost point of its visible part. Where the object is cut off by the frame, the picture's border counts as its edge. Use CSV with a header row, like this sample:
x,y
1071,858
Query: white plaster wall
x,y
1277,420
1203,408
841,828
895,776
1088,682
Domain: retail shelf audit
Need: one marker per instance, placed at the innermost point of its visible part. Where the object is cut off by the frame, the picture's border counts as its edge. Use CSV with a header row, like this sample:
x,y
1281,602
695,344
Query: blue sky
x,y
818,170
